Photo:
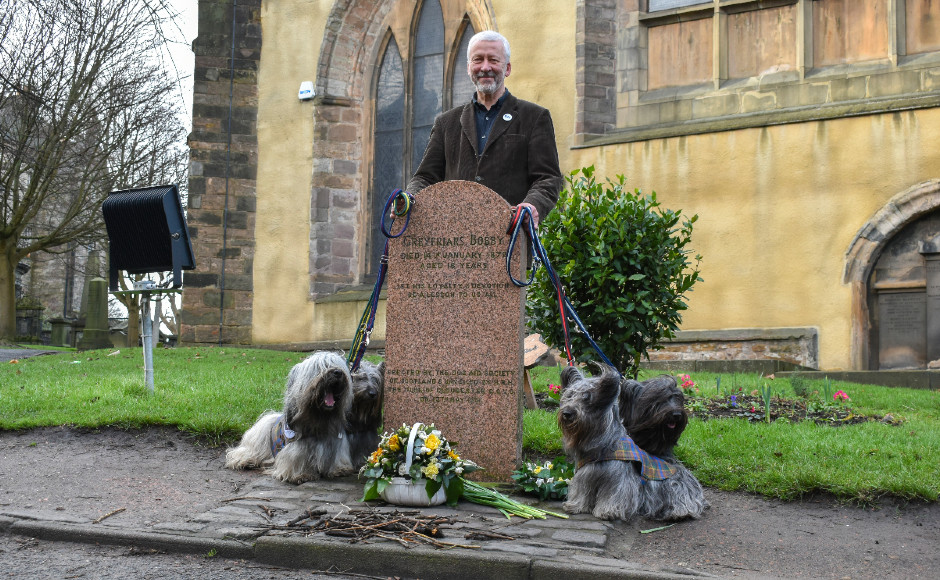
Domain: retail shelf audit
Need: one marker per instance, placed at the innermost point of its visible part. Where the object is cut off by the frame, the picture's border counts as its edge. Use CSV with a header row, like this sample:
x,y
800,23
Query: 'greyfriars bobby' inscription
x,y
454,325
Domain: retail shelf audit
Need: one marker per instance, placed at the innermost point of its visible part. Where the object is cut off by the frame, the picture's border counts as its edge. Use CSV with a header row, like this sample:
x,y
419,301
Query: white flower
x,y
458,470
436,433
550,480
425,450
539,482
401,469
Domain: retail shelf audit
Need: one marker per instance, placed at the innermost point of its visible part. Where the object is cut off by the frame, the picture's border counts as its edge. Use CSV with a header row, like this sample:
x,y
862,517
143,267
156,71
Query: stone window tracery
x,y
412,88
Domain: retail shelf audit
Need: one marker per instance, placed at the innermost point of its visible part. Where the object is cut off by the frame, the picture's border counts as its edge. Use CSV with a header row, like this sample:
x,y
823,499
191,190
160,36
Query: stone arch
x,y
867,246
356,31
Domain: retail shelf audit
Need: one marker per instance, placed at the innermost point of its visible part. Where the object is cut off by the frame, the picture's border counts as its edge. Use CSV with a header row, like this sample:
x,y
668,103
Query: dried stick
x,y
108,515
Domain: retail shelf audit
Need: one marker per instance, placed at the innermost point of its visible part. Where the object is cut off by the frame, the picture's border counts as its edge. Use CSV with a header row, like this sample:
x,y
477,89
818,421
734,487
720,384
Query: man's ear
x,y
508,69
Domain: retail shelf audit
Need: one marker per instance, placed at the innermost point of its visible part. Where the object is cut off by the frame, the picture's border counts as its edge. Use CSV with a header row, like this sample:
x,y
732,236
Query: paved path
x,y
255,524
8,354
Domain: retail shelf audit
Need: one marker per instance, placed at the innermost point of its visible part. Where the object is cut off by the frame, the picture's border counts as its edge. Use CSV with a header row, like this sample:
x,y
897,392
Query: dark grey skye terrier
x,y
308,439
365,418
617,478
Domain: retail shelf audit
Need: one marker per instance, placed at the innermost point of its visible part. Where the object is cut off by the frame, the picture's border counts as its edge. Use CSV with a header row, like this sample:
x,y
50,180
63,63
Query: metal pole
x,y
148,339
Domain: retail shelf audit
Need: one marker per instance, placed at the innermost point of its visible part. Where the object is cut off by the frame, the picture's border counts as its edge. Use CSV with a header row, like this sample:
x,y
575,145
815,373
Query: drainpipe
x,y
228,169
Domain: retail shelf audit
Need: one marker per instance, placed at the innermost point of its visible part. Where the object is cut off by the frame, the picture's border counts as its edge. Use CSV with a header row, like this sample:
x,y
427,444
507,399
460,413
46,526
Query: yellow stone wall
x,y
293,32
778,206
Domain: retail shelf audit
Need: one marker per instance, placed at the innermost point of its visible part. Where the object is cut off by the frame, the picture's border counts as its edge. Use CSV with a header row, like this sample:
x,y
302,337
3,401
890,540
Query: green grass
x,y
782,460
214,392
219,392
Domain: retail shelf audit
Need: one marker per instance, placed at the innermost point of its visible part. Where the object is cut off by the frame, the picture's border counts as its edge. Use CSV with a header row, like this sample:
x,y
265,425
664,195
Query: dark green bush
x,y
624,264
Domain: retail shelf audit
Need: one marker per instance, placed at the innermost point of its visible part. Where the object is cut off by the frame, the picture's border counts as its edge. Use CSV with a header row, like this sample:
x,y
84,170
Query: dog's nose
x,y
372,392
567,415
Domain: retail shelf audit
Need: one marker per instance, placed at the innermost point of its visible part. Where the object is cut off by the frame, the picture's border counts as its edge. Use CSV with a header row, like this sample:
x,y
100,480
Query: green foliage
x,y
766,393
800,387
624,265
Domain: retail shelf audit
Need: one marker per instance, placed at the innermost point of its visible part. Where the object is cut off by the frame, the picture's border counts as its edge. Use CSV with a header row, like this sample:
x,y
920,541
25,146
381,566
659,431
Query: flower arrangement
x,y
548,480
432,459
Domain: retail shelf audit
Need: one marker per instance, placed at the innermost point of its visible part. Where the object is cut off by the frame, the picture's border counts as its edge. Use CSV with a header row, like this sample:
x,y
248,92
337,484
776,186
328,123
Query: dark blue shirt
x,y
486,119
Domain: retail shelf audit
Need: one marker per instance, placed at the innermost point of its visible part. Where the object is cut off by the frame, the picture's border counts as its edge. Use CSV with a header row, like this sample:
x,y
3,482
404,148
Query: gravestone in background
x,y
454,325
96,317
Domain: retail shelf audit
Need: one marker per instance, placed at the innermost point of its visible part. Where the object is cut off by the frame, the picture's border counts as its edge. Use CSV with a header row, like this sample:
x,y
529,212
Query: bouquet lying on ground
x,y
548,480
432,459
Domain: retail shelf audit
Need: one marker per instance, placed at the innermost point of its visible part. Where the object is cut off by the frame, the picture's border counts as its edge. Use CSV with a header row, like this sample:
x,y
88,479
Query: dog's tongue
x,y
329,400
671,425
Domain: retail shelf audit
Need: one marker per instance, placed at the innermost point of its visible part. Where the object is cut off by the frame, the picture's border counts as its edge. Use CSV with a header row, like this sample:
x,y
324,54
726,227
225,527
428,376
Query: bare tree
x,y
86,107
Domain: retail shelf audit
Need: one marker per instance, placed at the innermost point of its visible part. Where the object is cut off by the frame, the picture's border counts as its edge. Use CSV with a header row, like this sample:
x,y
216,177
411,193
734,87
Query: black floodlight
x,y
147,232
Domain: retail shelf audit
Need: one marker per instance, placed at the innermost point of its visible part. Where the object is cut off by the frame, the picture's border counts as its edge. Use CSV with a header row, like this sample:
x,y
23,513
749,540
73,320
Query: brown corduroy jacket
x,y
519,161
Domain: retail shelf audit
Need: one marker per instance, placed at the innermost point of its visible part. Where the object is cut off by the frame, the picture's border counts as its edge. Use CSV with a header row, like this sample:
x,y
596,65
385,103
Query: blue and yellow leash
x,y
398,204
522,221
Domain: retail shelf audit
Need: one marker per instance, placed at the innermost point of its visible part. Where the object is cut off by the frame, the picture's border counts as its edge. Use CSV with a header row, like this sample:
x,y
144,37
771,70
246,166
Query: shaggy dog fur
x,y
653,411
312,425
365,418
594,432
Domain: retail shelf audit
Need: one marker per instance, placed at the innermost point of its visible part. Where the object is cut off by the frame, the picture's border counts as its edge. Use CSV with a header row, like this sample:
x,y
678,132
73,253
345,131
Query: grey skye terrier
x,y
365,417
617,478
308,439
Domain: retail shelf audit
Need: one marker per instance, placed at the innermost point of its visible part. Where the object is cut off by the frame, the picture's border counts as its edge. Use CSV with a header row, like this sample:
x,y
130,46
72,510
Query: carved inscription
x,y
452,386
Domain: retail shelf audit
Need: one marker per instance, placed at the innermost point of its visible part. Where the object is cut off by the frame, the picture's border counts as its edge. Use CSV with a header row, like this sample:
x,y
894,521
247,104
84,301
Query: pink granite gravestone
x,y
454,325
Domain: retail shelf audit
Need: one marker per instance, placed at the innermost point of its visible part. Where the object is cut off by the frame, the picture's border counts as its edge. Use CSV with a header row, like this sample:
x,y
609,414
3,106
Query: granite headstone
x,y
454,325
96,333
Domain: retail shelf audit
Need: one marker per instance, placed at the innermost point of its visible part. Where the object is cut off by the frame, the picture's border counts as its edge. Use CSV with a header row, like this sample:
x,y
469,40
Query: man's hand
x,y
535,213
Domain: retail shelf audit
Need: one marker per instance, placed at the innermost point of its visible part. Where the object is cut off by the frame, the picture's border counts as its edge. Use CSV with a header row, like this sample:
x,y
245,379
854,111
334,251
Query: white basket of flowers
x,y
415,466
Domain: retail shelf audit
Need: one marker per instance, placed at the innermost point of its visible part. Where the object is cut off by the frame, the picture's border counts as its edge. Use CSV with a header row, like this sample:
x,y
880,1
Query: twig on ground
x,y
659,529
108,515
406,528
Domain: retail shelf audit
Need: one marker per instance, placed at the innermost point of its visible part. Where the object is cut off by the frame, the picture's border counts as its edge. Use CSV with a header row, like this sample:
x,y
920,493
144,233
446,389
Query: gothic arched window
x,y
412,86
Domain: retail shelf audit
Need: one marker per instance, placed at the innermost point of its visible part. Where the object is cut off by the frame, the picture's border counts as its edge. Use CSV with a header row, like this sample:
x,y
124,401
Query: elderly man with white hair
x,y
497,140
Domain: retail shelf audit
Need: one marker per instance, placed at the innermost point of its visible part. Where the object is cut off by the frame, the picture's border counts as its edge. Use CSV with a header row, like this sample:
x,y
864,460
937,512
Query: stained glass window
x,y
389,142
461,88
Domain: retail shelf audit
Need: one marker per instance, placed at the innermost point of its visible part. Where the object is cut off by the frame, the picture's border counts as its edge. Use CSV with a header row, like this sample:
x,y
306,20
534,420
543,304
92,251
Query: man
x,y
496,139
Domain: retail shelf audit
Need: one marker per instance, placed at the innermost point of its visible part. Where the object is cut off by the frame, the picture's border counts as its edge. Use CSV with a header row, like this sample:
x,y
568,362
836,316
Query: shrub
x,y
624,265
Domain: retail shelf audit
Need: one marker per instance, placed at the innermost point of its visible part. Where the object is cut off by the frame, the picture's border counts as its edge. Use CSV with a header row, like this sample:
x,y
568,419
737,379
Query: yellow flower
x,y
452,455
376,455
393,443
537,469
430,471
432,442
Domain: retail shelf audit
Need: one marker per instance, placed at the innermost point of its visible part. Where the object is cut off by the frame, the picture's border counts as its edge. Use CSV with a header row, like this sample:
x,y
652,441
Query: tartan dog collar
x,y
650,466
281,435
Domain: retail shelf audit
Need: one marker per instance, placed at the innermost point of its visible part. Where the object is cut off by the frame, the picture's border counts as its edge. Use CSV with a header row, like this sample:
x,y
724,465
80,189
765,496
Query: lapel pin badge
x,y
507,117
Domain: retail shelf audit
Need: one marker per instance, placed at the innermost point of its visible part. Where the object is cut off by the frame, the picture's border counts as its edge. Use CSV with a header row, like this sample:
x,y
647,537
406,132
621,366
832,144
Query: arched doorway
x,y
893,266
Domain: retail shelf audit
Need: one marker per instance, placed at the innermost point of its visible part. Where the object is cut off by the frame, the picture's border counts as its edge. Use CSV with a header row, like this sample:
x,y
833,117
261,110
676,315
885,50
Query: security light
x,y
147,233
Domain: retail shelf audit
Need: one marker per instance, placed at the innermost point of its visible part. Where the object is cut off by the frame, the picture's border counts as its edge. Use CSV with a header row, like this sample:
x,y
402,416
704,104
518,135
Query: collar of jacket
x,y
468,122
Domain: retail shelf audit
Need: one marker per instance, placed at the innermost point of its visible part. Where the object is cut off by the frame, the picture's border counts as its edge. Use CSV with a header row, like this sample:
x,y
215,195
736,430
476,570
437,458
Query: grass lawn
x,y
219,392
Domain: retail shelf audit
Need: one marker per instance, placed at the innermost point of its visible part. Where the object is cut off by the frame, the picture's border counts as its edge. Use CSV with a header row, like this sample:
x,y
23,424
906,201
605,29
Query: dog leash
x,y
398,204
522,220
